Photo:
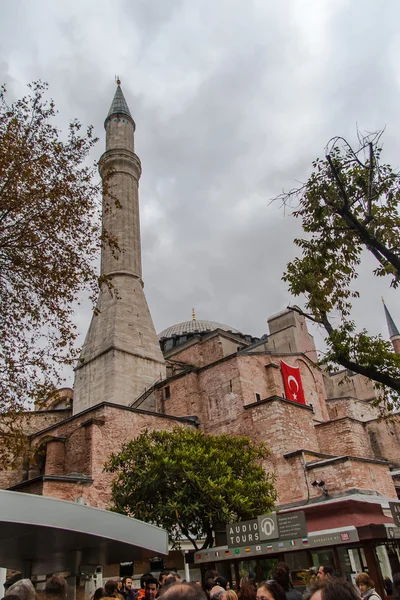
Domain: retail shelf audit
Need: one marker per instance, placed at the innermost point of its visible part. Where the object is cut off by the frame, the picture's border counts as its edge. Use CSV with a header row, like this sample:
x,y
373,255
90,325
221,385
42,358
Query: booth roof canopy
x,y
43,535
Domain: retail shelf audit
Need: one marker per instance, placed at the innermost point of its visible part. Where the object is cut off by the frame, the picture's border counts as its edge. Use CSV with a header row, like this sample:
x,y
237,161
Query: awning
x,y
40,535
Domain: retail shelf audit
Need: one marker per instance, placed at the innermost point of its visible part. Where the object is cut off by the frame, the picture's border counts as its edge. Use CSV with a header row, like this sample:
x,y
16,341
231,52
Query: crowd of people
x,y
56,588
169,586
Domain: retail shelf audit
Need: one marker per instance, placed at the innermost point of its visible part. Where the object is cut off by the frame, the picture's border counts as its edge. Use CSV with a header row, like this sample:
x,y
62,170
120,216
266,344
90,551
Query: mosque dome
x,y
179,334
194,327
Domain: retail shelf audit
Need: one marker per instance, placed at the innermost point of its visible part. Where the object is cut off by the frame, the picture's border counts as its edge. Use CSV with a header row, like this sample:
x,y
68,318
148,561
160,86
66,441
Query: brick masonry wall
x,y
72,491
384,438
284,427
11,476
256,379
33,421
352,474
205,351
291,480
356,386
34,488
344,436
88,447
219,395
55,457
221,389
255,371
289,333
185,398
29,423
351,407
192,354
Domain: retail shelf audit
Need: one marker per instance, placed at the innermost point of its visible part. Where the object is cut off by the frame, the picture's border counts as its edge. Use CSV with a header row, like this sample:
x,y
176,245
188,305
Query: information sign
x,y
344,535
242,533
395,510
292,525
273,526
268,527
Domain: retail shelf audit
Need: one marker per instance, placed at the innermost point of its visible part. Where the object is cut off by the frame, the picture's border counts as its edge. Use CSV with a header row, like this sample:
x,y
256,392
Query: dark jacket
x,y
293,595
128,594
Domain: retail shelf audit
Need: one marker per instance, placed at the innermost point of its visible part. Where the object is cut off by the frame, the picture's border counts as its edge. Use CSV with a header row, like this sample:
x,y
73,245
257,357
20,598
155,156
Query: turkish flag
x,y
292,382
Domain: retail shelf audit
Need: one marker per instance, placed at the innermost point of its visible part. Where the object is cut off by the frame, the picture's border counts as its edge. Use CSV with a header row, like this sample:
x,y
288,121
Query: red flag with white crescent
x,y
292,382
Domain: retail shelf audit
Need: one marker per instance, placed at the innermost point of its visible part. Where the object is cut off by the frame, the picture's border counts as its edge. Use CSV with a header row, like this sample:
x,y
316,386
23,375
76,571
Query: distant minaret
x,y
121,355
393,331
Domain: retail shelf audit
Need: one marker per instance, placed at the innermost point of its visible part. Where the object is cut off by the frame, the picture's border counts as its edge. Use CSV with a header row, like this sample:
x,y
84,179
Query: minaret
x,y
121,356
393,331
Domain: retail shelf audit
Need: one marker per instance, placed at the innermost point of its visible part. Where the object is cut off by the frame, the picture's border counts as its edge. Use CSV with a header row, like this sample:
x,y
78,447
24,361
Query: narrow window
x,y
167,392
258,397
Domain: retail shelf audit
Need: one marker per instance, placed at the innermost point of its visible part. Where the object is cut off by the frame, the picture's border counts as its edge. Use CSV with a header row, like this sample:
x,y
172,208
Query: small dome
x,y
193,327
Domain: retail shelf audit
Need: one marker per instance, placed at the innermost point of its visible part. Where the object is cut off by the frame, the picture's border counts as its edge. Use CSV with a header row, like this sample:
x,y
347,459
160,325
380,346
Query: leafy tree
x,y
189,482
349,206
50,234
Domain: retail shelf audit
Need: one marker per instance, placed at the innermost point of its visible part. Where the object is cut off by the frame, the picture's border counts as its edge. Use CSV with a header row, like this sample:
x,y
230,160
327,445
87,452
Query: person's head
x,y
162,577
210,574
246,582
143,579
127,583
220,581
56,587
217,592
333,589
98,594
270,590
23,589
281,575
247,589
111,588
230,595
171,579
208,586
150,588
183,591
364,582
324,572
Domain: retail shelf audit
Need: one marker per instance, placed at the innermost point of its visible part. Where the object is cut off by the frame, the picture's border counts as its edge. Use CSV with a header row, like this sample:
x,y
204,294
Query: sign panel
x,y
393,533
313,540
268,527
334,537
292,525
273,526
395,510
242,533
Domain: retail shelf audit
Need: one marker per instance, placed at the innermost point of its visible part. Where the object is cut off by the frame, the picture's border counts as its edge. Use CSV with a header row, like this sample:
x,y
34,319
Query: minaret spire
x,y
119,105
121,356
394,334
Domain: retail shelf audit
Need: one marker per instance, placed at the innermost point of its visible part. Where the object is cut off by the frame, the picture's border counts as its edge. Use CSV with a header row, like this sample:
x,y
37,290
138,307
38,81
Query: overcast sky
x,y
232,100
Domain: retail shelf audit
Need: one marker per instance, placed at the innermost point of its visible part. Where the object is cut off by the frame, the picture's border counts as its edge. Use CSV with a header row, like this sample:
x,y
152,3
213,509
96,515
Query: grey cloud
x,y
232,101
